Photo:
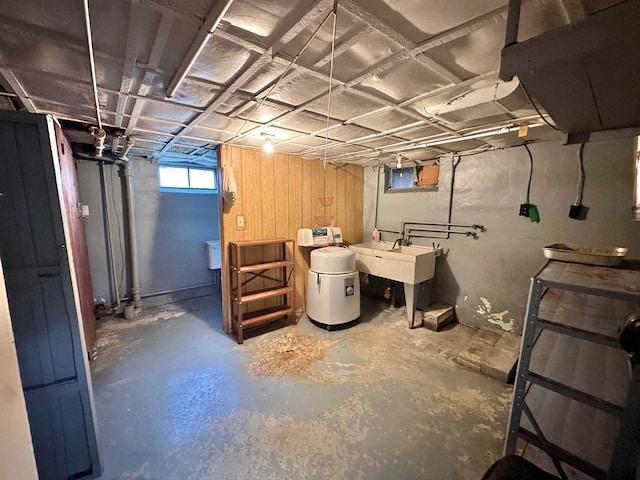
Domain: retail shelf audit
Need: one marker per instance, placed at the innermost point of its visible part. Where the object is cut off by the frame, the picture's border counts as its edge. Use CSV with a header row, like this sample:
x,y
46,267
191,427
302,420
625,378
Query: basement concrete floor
x,y
176,398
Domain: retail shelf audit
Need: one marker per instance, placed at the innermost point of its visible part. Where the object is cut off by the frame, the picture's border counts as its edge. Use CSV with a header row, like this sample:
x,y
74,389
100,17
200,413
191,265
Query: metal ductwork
x,y
499,98
586,75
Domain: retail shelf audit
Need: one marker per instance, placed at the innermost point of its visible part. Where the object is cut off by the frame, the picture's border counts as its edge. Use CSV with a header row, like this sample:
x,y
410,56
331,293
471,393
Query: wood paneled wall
x,y
279,194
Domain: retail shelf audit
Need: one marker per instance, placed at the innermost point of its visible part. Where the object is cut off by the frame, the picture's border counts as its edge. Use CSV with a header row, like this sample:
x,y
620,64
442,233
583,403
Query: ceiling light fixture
x,y
268,145
240,133
399,164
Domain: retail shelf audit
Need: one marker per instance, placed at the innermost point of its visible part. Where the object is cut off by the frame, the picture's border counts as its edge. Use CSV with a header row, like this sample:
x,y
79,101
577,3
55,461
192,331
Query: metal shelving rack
x,y
575,394
269,265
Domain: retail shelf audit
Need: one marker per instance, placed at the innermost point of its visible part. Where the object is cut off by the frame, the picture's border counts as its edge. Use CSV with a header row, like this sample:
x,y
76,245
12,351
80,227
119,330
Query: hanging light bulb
x,y
268,146
399,164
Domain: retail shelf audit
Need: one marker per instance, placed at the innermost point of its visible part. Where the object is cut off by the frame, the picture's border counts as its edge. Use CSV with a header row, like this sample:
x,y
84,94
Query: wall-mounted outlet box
x,y
239,222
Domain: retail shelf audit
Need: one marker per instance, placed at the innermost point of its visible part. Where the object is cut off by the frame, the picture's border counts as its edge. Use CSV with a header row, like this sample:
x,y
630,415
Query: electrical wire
x,y
536,108
333,49
530,172
581,177
291,63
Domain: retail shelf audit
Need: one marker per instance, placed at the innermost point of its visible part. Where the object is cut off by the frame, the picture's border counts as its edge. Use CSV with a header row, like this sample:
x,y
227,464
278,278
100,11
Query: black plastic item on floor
x,y
514,467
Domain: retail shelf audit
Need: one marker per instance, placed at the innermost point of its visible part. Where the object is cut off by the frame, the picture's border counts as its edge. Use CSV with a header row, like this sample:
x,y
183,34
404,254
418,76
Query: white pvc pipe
x,y
92,63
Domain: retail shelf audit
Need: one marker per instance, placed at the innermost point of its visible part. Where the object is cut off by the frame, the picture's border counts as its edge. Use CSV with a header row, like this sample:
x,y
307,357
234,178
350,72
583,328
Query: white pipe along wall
x,y
487,278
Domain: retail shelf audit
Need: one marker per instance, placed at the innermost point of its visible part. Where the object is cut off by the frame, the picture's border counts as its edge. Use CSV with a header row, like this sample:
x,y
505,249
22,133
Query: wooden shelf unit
x,y
574,389
262,282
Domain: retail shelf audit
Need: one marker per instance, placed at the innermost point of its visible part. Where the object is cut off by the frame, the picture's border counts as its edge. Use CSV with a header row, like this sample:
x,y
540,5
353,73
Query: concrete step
x,y
492,352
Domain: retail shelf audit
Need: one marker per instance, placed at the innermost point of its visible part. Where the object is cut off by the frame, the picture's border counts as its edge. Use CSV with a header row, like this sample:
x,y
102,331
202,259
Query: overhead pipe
x,y
127,173
92,64
93,158
448,232
99,136
131,141
217,12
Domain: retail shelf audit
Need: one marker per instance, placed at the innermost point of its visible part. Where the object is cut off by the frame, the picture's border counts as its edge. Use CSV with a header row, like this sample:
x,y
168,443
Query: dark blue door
x,y
43,306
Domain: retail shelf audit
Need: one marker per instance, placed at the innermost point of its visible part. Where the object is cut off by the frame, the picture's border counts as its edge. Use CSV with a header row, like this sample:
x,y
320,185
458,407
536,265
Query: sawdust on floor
x,y
292,354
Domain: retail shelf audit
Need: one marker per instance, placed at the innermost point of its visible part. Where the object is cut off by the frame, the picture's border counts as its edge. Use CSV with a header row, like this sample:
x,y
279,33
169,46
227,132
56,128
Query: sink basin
x,y
378,246
407,264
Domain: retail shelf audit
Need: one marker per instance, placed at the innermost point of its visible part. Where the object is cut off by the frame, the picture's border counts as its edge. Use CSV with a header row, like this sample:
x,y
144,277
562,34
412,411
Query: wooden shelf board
x,y
250,243
266,314
263,266
263,294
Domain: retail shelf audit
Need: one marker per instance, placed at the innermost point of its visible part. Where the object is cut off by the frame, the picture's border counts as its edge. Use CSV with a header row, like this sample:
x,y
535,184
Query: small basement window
x,y
187,180
419,177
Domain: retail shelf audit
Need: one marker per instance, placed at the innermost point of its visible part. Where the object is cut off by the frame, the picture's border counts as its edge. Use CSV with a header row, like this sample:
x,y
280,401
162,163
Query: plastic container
x,y
375,236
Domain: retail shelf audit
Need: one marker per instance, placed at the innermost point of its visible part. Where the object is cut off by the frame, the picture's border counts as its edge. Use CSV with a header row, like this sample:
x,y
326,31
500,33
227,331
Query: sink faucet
x,y
399,241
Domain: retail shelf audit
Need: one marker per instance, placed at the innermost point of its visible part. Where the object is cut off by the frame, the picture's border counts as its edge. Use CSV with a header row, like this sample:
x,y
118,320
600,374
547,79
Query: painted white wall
x,y
16,450
488,279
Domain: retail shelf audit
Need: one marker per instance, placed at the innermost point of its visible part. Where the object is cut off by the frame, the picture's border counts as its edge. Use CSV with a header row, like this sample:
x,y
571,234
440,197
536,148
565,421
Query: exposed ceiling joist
x,y
159,43
393,64
130,57
17,87
209,25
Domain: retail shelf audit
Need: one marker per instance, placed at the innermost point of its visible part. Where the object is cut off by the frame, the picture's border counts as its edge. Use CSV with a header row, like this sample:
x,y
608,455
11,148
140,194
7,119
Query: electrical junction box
x,y
214,257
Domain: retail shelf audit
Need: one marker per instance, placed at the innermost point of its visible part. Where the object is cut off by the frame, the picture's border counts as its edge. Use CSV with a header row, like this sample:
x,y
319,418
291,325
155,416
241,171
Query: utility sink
x,y
410,265
402,264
